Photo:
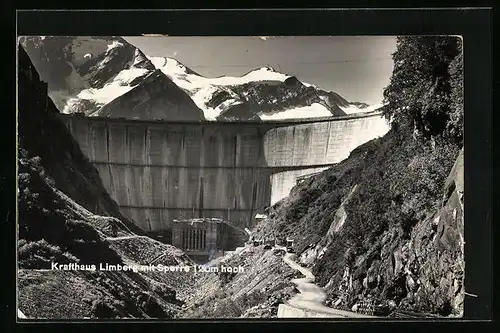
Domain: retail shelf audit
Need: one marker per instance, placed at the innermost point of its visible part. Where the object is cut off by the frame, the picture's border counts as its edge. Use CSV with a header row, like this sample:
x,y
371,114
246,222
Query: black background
x,y
475,25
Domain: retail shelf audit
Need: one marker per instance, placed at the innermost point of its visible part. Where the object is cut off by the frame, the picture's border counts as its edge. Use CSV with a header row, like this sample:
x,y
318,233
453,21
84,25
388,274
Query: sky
x,y
356,67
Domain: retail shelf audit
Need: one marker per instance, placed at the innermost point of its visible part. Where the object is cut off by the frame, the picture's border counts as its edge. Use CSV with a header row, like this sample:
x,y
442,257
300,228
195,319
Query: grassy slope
x,y
55,228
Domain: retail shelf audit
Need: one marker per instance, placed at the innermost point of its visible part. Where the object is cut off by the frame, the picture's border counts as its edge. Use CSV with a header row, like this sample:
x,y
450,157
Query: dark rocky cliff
x,y
44,136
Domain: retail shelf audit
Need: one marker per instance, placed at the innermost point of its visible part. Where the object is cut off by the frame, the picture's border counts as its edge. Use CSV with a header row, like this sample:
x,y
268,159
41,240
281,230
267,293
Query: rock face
x,y
255,100
106,76
431,264
424,273
340,215
256,292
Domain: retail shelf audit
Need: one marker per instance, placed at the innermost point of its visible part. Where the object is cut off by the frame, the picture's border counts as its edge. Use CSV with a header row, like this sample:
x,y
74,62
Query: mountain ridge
x,y
206,93
105,75
97,71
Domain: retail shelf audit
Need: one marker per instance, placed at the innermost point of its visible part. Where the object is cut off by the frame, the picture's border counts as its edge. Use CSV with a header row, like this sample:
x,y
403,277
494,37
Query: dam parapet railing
x,y
284,122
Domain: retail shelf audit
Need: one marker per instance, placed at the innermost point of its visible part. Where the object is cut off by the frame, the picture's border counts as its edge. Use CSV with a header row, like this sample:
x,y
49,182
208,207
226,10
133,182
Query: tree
x,y
456,119
425,80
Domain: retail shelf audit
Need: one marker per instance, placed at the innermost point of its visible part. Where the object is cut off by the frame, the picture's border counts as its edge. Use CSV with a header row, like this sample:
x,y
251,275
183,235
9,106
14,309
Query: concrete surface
x,y
161,171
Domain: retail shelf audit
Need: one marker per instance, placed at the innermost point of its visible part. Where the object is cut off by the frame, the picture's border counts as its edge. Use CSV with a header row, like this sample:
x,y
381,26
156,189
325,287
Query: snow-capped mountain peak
x,y
262,93
203,90
353,108
115,82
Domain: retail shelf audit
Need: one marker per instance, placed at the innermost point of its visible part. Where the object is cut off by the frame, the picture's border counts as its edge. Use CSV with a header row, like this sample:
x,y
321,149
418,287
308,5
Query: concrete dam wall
x,y
163,171
316,144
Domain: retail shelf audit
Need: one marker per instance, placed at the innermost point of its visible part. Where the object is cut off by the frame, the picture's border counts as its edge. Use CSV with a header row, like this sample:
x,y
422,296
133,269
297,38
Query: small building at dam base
x,y
204,239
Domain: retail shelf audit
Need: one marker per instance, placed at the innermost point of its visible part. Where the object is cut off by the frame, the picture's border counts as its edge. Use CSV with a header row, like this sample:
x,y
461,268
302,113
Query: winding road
x,y
125,237
309,302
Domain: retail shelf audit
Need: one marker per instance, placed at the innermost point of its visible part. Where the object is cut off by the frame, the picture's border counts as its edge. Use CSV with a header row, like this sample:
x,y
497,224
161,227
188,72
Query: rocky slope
x,y
57,222
370,232
106,76
255,292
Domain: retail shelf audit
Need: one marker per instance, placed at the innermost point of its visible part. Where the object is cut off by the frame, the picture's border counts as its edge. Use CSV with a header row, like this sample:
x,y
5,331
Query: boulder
x,y
356,287
292,81
398,264
371,281
410,283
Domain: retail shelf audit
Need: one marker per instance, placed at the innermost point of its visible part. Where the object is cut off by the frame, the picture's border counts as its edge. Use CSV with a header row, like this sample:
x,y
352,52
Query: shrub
x,y
152,308
225,277
226,308
300,207
101,309
165,292
41,254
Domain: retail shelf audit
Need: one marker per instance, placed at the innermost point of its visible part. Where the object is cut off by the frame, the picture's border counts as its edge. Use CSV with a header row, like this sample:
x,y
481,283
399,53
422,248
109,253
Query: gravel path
x,y
311,297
